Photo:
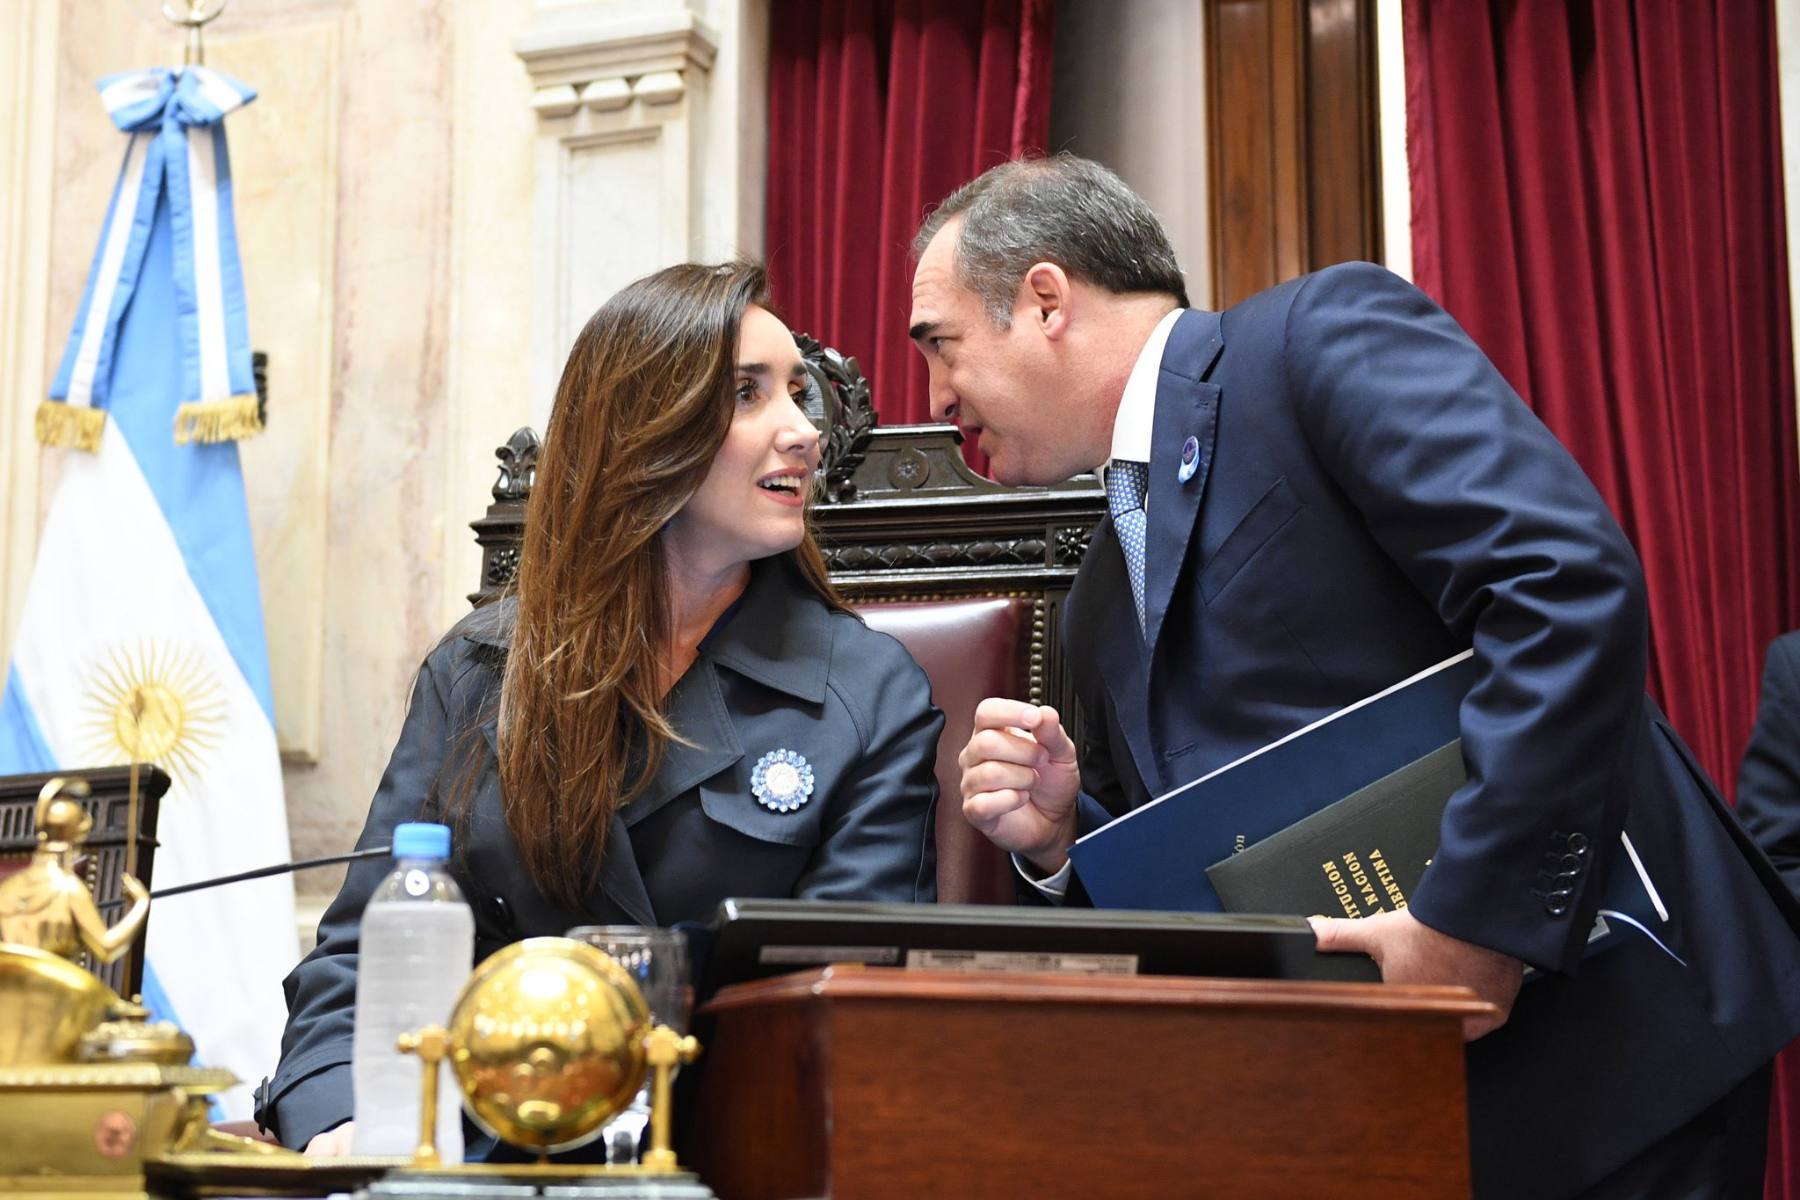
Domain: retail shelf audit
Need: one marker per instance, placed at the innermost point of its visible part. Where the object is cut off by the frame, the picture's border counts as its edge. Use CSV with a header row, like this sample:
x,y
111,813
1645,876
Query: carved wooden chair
x,y
103,864
969,575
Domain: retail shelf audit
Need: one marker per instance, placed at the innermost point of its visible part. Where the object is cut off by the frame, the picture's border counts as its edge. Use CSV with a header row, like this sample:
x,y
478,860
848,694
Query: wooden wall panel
x,y
1292,115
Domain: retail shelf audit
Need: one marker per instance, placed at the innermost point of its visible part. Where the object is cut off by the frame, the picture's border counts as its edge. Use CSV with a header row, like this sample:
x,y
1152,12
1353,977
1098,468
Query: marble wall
x,y
392,179
359,280
28,58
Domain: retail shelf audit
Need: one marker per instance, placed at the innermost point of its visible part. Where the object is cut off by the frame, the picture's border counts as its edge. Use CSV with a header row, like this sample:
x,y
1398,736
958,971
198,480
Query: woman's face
x,y
753,502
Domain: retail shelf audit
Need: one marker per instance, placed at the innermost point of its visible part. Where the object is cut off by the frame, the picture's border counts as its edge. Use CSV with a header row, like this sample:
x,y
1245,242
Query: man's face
x,y
990,381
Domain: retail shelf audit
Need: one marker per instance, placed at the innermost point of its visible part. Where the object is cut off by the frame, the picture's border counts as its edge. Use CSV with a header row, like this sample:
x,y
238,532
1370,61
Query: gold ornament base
x,y
86,1130
212,1177
509,1181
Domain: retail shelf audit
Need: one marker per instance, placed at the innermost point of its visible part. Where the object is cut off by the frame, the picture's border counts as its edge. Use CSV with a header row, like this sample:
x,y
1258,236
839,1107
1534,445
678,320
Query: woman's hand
x,y
333,1143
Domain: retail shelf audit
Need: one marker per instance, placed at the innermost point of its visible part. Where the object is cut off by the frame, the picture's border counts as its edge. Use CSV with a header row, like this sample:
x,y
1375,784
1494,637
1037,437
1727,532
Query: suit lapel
x,y
620,881
1187,408
697,709
1119,650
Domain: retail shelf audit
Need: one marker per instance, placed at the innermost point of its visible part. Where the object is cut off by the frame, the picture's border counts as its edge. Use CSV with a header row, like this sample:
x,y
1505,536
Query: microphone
x,y
277,869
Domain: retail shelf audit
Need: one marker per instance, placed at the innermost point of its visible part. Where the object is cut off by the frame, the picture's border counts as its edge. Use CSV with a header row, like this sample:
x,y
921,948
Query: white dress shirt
x,y
1133,427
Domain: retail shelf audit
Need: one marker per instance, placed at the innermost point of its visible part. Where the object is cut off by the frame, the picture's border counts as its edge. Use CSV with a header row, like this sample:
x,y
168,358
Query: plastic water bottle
x,y
418,945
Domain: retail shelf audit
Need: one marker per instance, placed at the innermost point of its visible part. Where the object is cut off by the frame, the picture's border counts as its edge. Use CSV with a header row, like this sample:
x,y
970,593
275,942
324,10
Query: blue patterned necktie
x,y
1126,483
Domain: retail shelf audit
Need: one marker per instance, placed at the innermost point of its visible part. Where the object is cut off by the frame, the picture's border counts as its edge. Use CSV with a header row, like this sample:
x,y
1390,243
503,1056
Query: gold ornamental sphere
x,y
549,1042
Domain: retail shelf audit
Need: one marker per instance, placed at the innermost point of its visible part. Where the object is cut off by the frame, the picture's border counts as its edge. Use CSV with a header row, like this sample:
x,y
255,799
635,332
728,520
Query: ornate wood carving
x,y
109,804
518,465
502,565
846,414
259,371
942,553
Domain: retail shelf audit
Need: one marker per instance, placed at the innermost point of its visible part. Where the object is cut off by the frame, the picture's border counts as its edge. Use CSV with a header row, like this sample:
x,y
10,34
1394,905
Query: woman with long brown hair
x,y
670,706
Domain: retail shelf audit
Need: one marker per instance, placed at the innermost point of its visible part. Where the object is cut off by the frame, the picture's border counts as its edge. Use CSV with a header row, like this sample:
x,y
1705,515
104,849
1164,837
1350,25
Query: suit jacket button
x,y
1578,843
1556,904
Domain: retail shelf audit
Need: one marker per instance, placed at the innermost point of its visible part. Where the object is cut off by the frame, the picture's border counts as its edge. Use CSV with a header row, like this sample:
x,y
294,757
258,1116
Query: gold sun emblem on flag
x,y
156,702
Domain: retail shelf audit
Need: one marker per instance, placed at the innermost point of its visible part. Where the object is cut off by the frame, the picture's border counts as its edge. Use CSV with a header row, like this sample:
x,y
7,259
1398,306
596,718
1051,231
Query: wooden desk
x,y
866,1084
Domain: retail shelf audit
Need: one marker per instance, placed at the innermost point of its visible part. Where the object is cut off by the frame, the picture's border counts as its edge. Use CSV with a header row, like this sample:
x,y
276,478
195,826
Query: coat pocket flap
x,y
1265,519
739,809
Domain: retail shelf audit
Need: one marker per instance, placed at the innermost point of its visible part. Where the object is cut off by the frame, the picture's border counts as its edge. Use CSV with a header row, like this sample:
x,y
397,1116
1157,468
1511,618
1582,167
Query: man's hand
x,y
1020,780
1409,951
333,1143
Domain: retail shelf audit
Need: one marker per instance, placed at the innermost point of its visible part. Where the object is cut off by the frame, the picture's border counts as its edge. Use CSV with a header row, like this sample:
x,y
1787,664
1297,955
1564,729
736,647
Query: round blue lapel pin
x,y
782,781
1190,459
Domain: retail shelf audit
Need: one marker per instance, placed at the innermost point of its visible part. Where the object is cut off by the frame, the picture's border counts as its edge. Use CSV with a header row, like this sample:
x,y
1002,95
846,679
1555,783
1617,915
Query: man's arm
x,y
1016,784
1768,798
1021,782
108,945
1492,520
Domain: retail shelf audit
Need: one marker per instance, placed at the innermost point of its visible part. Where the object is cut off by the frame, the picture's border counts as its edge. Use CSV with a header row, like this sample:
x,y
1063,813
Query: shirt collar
x,y
1136,417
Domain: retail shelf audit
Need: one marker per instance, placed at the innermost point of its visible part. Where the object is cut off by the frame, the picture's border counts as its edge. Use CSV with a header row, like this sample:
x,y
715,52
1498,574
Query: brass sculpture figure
x,y
94,1091
45,905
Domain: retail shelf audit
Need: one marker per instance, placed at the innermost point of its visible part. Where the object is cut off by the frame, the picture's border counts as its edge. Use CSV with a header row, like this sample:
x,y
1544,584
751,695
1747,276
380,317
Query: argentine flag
x,y
144,593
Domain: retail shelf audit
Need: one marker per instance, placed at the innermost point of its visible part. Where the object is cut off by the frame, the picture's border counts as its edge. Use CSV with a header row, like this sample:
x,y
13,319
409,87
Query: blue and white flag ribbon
x,y
142,634
176,158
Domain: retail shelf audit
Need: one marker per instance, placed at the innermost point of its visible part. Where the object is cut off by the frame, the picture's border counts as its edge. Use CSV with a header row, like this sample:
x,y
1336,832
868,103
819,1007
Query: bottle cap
x,y
419,839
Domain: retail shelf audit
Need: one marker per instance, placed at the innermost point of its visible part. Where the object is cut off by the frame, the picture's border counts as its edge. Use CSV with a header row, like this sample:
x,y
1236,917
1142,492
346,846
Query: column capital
x,y
577,45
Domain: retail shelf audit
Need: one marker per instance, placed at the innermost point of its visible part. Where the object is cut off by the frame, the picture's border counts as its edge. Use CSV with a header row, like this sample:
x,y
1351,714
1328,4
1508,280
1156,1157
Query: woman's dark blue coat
x,y
784,672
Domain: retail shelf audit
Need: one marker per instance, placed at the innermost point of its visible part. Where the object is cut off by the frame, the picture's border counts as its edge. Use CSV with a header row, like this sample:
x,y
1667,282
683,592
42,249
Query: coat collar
x,y
491,625
780,635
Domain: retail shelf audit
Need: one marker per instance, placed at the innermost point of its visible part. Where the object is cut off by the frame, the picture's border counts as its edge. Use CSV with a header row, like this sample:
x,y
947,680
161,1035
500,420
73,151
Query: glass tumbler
x,y
657,960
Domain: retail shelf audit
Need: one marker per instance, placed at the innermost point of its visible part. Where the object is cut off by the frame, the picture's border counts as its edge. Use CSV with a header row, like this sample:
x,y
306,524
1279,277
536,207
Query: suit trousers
x,y
1721,1154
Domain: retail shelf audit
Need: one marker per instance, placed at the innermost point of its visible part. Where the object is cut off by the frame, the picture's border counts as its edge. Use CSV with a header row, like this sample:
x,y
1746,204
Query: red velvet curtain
x,y
877,110
1597,198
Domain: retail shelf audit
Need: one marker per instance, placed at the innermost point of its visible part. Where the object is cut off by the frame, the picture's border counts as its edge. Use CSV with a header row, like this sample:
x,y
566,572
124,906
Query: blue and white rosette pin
x,y
782,780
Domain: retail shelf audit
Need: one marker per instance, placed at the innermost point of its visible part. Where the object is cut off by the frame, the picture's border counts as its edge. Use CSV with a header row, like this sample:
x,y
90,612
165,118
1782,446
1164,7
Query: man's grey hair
x,y
1065,210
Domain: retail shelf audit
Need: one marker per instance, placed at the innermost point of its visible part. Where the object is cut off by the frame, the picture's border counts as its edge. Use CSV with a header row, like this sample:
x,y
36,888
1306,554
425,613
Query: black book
x,y
1353,858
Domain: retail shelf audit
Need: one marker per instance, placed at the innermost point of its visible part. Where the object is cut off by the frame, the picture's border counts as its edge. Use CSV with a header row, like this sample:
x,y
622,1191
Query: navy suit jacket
x,y
1372,498
1769,784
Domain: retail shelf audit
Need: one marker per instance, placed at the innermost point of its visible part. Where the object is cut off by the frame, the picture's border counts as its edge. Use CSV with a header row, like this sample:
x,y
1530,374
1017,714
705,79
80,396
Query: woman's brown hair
x,y
644,404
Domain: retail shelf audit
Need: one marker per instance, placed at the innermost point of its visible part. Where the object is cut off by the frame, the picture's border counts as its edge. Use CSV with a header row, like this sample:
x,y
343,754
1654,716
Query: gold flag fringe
x,y
217,420
76,425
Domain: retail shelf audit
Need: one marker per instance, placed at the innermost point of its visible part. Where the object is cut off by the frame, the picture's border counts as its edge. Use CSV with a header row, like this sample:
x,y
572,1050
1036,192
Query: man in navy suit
x,y
1315,494
1769,783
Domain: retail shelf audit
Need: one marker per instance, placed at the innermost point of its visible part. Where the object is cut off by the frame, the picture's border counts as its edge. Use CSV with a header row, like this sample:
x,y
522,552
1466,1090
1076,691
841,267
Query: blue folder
x,y
1155,857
